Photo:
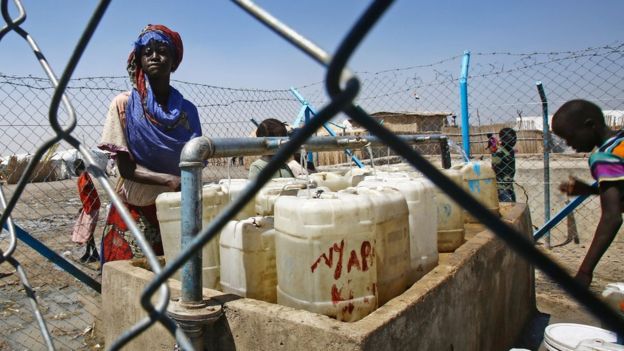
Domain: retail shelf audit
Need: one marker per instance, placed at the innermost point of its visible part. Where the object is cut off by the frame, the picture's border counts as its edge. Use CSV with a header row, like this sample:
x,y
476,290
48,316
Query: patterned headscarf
x,y
156,32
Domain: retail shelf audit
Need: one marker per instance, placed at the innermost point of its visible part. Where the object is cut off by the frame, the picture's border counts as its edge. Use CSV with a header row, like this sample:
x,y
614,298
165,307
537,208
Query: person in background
x,y
504,164
492,143
581,124
145,131
270,127
88,215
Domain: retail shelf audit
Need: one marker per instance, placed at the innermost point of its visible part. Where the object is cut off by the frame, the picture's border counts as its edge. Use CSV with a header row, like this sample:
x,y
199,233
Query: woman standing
x,y
145,131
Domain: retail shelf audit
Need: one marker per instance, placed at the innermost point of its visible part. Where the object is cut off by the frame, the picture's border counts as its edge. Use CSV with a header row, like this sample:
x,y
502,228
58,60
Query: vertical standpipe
x,y
309,156
191,214
463,95
546,140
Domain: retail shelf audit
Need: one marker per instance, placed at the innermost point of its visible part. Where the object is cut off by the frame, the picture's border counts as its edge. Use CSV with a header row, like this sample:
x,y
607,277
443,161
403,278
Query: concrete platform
x,y
477,298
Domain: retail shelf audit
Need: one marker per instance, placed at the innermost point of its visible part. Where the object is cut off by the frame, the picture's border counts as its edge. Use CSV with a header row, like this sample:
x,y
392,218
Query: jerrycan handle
x,y
291,189
458,167
349,190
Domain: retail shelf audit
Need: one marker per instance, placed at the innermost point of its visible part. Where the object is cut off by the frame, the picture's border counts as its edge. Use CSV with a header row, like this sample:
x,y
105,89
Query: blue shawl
x,y
156,141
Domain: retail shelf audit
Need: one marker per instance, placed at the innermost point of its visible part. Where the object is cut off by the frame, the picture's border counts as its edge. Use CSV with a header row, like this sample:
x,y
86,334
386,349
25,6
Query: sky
x,y
224,46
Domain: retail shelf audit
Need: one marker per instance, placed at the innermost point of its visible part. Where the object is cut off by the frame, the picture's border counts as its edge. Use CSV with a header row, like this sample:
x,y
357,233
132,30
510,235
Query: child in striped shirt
x,y
581,124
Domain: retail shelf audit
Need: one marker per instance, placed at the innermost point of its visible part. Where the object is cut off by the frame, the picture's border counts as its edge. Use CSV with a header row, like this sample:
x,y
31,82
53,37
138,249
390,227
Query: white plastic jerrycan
x,y
480,180
392,242
232,189
332,180
168,213
420,196
451,230
355,175
266,197
325,254
247,250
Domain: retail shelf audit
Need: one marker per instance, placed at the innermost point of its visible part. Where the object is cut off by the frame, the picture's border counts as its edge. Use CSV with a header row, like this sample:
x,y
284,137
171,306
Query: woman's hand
x,y
173,183
575,187
128,169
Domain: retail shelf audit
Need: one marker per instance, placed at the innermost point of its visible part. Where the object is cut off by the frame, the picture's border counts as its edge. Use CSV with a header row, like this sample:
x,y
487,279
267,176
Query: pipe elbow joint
x,y
196,151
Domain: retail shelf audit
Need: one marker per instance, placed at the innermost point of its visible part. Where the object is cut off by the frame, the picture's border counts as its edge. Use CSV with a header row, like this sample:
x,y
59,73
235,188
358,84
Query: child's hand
x,y
575,187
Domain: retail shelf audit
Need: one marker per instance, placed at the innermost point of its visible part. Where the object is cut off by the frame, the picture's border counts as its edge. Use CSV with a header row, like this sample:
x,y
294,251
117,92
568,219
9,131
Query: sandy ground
x,y
48,210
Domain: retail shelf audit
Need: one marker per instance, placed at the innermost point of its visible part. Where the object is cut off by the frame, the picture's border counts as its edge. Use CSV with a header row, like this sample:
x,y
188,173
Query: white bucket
x,y
567,336
598,345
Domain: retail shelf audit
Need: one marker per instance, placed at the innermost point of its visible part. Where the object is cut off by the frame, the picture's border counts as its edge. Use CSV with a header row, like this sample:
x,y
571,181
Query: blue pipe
x,y
307,116
546,146
561,215
55,258
191,218
463,95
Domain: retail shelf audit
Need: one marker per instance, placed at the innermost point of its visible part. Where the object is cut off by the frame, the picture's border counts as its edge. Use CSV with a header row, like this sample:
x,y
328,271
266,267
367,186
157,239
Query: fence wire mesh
x,y
410,100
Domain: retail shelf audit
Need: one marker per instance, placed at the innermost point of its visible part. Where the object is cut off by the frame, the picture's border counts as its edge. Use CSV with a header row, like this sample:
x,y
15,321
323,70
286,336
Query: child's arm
x,y
610,222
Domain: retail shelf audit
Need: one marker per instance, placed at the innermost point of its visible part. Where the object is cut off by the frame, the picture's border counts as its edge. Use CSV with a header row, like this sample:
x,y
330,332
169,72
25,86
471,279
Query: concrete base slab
x,y
477,298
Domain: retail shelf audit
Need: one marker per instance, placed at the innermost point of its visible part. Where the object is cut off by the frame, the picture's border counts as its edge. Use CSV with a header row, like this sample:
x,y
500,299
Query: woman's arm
x,y
128,169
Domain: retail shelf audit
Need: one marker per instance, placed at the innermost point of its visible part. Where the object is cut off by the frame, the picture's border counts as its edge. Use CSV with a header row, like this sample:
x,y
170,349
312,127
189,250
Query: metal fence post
x,y
445,152
463,95
546,141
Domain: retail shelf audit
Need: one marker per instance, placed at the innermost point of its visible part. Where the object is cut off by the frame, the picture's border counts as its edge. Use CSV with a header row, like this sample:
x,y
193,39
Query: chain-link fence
x,y
418,99
503,93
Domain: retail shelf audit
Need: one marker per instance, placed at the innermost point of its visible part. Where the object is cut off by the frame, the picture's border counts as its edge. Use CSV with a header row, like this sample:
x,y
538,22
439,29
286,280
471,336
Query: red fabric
x,y
88,193
114,243
492,144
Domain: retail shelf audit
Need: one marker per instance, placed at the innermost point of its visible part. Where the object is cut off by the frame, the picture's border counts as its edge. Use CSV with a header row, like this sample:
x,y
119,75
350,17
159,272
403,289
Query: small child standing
x,y
581,124
88,214
504,164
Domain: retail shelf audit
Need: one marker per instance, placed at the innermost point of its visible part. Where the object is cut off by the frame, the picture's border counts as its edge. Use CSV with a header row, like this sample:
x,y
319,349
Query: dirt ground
x,y
48,210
